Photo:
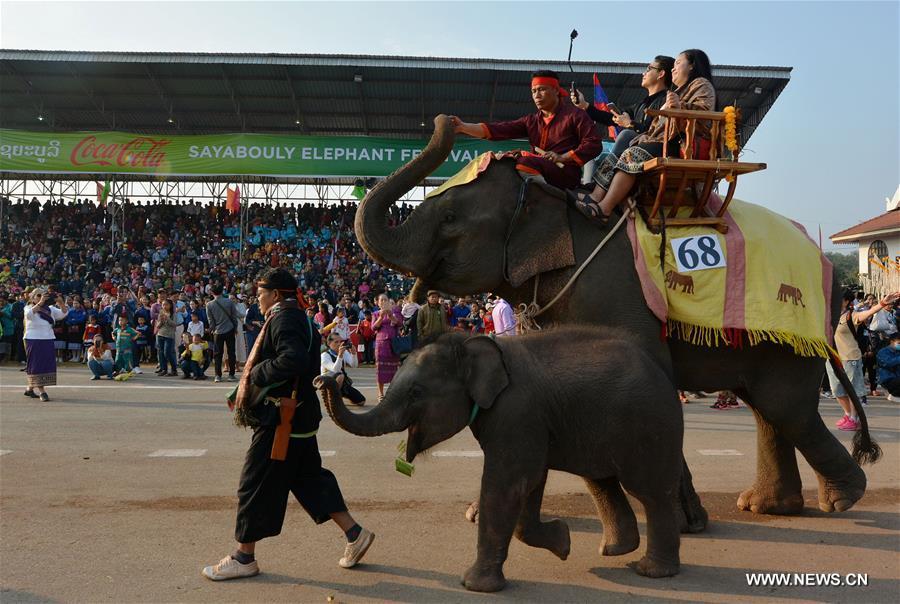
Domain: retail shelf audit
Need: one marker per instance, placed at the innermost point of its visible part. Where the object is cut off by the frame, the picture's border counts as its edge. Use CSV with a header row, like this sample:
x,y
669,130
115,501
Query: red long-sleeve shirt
x,y
569,131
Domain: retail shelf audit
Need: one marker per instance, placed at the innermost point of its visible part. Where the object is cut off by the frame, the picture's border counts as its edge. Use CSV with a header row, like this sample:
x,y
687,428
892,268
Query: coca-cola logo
x,y
139,152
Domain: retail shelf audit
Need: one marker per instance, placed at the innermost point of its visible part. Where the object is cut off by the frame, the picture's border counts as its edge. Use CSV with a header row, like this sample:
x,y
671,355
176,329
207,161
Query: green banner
x,y
224,155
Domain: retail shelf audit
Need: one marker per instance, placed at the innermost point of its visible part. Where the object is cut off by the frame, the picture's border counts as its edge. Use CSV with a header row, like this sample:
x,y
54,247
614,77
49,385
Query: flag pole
x,y
572,37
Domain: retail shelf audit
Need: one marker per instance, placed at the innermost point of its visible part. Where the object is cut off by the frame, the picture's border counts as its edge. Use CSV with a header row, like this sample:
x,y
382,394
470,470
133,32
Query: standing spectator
x,y
341,324
845,340
91,330
75,322
195,326
253,323
141,344
487,319
459,311
386,324
99,357
367,338
334,362
431,320
125,337
504,319
39,341
18,313
7,328
165,339
889,368
223,323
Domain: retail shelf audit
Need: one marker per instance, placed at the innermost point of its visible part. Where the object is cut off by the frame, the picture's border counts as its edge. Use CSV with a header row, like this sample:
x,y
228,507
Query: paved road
x,y
93,508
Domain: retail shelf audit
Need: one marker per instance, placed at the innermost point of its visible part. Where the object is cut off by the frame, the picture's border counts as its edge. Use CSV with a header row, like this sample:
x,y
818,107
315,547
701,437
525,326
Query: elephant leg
x,y
691,515
552,535
620,531
501,502
663,540
841,481
777,489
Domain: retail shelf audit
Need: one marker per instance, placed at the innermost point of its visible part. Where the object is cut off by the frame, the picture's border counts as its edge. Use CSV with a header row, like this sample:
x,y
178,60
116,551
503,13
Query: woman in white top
x,y
335,360
39,341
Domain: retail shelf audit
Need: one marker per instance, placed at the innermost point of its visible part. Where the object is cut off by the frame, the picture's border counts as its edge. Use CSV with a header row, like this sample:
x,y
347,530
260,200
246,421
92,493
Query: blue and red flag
x,y
600,101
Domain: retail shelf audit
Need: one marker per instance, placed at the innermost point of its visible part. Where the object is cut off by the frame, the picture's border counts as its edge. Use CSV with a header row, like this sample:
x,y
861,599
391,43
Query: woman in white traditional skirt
x,y
240,341
39,342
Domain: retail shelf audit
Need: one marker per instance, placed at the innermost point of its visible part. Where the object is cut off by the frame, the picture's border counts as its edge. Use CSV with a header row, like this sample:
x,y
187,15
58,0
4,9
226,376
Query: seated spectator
x,y
193,357
889,368
337,357
100,360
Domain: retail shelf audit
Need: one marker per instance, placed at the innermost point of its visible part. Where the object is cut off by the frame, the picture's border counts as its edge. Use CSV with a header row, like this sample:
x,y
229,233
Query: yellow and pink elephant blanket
x,y
764,278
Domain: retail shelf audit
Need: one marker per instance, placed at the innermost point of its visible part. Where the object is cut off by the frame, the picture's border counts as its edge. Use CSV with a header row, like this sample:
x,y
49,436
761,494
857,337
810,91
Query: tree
x,y
846,267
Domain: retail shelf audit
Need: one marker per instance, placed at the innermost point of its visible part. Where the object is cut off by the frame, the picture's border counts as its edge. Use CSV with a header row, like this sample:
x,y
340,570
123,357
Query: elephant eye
x,y
449,217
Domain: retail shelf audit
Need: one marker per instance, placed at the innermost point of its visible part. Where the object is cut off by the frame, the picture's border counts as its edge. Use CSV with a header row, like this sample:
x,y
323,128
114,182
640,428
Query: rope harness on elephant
x,y
527,314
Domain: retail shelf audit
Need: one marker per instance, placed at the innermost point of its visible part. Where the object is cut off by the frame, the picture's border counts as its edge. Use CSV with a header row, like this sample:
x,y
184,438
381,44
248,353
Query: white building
x,y
879,236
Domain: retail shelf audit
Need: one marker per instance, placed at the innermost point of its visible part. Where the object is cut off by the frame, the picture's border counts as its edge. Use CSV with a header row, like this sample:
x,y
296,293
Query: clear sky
x,y
832,140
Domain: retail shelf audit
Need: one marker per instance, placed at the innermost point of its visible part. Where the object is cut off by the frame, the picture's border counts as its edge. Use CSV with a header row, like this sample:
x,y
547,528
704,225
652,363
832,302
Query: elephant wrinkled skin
x,y
583,400
457,242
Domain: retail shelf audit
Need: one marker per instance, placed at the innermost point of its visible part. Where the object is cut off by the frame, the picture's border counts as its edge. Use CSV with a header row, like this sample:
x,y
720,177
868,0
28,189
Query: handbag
x,y
401,345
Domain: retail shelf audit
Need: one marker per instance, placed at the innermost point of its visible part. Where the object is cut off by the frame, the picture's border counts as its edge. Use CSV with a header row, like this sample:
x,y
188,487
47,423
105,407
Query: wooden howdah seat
x,y
671,183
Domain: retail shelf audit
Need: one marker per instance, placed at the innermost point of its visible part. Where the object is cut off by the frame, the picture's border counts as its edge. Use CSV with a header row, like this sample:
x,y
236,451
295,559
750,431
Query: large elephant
x,y
584,400
470,239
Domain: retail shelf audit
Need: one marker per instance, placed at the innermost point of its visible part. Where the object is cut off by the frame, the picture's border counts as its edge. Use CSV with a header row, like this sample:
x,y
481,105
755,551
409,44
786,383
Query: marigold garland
x,y
732,115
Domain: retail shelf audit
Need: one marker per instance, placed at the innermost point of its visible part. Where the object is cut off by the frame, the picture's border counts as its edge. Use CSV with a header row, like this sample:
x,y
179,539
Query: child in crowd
x,y
125,337
143,339
192,359
92,329
195,326
367,338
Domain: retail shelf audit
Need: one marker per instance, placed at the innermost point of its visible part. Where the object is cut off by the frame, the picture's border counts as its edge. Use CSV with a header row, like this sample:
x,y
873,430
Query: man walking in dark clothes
x,y
222,317
286,352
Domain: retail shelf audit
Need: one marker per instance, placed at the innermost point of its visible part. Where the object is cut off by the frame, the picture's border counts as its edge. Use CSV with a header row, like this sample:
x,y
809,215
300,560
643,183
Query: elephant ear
x,y
485,372
541,239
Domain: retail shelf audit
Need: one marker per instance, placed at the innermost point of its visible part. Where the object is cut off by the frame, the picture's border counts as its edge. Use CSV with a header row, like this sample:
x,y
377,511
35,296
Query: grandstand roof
x,y
200,93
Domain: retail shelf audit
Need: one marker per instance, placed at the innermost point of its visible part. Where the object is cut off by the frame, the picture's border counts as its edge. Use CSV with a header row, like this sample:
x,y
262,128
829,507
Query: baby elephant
x,y
575,399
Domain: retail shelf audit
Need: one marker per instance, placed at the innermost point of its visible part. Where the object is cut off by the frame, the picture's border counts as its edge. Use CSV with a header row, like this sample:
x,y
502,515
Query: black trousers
x,y
220,341
265,484
356,397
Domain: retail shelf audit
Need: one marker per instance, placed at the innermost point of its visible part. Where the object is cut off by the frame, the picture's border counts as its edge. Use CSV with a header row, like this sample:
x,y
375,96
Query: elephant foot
x,y
765,501
478,579
693,522
619,545
840,497
650,567
552,535
472,512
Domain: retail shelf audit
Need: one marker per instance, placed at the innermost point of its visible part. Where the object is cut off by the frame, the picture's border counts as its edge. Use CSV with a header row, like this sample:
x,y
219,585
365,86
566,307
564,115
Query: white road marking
x,y
178,453
457,454
719,452
4,451
327,453
130,386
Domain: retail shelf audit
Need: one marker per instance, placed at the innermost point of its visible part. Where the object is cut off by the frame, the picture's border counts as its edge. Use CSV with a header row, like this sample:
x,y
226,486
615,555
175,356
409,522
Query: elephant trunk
x,y
401,248
376,422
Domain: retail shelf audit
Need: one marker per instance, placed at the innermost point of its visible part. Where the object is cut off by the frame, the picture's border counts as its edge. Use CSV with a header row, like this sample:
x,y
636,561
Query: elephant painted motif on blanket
x,y
673,280
789,291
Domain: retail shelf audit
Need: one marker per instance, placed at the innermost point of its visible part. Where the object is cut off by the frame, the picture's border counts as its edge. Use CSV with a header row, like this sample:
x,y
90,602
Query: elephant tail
x,y
865,449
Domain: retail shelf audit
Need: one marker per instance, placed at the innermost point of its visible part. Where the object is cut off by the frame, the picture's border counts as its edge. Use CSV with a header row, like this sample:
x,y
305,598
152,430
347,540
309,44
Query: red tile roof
x,y
889,221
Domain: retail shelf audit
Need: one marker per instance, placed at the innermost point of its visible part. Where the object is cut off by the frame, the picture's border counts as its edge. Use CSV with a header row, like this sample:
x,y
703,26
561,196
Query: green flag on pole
x,y
102,194
359,191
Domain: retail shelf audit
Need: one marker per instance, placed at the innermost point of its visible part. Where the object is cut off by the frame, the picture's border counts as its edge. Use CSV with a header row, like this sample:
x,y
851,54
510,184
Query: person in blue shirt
x,y
460,311
75,321
889,368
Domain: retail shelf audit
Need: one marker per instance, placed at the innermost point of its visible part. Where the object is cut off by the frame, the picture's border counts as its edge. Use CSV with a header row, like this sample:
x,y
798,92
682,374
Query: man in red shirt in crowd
x,y
563,136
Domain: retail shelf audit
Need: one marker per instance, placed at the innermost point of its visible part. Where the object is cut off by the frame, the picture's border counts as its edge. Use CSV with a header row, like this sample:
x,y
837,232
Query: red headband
x,y
544,81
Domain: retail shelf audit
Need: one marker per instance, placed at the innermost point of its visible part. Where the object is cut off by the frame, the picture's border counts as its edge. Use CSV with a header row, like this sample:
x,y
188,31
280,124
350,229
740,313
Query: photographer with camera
x,y
40,316
337,357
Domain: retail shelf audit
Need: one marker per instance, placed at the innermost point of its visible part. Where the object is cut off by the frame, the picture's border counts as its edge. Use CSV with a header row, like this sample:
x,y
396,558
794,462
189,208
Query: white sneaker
x,y
218,379
137,370
229,568
354,552
893,399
